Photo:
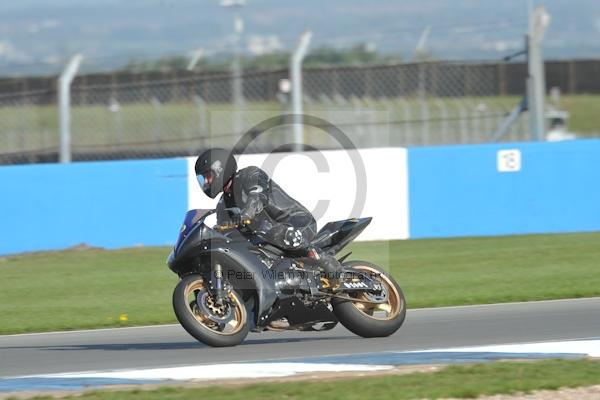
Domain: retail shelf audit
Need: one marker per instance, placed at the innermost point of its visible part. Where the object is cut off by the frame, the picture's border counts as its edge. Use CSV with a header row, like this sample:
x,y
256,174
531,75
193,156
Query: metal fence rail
x,y
157,116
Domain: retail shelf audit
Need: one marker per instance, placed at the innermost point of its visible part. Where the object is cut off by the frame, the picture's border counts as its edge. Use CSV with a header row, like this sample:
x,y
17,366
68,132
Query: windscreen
x,y
191,218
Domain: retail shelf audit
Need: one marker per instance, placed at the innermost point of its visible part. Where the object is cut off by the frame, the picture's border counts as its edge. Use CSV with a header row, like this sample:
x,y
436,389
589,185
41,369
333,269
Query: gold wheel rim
x,y
391,308
231,327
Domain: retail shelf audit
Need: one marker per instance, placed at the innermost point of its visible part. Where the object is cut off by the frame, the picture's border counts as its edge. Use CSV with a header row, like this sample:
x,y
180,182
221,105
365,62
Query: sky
x,y
40,35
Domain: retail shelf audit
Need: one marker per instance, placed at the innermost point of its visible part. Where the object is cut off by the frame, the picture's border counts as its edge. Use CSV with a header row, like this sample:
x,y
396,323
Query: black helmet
x,y
214,168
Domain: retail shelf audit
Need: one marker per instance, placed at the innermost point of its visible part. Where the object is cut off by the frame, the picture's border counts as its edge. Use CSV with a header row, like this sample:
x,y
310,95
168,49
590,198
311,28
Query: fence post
x,y
572,77
408,122
502,84
296,78
538,22
201,105
424,104
64,104
443,120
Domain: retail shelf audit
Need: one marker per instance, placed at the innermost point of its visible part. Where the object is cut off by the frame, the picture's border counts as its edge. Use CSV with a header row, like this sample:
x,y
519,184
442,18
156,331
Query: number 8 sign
x,y
509,160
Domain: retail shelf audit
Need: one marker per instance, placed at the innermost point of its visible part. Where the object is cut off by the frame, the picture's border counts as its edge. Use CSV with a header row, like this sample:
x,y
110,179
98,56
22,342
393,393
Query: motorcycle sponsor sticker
x,y
355,285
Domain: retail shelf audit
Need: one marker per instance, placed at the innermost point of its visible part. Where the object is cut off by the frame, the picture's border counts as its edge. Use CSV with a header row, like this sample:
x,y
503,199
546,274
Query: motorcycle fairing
x,y
196,240
190,219
336,235
297,313
192,233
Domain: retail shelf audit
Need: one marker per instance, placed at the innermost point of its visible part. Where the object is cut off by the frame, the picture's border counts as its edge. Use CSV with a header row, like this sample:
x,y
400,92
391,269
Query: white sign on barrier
x,y
385,194
509,160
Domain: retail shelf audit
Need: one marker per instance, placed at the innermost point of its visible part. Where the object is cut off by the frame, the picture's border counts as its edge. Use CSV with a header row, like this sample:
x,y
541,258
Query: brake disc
x,y
218,313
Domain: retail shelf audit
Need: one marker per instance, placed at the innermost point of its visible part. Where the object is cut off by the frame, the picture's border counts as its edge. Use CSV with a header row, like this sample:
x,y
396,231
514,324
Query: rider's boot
x,y
330,265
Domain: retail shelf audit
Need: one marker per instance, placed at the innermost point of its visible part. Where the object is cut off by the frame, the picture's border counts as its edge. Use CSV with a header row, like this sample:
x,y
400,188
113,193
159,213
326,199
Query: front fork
x,y
218,285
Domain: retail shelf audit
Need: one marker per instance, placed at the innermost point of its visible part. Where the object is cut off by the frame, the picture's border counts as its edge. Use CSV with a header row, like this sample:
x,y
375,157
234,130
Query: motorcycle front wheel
x,y
217,325
384,316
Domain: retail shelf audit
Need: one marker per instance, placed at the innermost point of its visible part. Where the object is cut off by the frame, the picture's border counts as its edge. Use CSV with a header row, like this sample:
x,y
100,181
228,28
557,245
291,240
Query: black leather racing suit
x,y
275,215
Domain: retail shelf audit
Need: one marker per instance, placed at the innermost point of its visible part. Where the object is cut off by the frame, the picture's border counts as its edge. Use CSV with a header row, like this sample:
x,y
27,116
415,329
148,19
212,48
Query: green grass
x,y
145,125
93,288
85,289
583,113
445,272
454,381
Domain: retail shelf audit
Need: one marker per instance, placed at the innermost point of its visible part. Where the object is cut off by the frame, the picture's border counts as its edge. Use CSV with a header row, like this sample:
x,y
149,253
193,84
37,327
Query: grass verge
x,y
454,381
174,123
98,288
447,272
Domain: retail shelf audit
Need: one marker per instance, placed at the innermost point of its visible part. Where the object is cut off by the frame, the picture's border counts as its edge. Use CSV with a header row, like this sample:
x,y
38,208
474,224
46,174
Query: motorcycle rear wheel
x,y
371,319
201,325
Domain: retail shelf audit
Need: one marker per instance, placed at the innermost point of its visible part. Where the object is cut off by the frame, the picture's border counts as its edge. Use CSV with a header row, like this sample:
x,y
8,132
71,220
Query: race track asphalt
x,y
170,345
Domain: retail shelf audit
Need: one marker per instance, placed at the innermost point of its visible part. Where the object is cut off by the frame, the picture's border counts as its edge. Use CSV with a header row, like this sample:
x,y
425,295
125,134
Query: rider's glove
x,y
239,219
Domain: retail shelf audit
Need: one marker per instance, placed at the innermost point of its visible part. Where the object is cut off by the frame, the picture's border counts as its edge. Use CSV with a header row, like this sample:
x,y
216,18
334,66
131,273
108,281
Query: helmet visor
x,y
205,180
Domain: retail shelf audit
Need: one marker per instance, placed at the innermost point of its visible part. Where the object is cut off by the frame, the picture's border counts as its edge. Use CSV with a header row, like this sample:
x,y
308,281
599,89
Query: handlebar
x,y
227,227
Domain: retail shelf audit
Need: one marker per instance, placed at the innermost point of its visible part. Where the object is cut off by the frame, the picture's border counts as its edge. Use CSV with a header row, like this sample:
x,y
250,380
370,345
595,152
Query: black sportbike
x,y
232,282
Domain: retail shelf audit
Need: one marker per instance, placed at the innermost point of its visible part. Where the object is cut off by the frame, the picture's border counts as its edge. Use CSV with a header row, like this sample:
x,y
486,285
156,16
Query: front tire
x,y
362,318
200,324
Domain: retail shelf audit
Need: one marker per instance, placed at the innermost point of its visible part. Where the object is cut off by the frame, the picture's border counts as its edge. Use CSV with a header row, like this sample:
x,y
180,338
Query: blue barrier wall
x,y
453,191
458,190
107,204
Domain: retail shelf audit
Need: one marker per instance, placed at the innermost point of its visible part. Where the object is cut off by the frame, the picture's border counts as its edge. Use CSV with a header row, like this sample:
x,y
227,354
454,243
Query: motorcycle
x,y
233,282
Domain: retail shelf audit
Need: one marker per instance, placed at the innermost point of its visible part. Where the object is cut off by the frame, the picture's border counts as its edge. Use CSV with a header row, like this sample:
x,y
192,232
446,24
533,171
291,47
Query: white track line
x,y
262,369
220,371
590,348
445,349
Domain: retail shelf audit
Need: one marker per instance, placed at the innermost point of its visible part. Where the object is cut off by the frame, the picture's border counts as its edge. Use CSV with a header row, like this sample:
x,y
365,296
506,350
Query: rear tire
x,y
360,322
196,324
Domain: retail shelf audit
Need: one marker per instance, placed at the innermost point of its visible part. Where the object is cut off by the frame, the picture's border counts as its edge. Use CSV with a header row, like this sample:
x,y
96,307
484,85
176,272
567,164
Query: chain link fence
x,y
424,103
131,116
28,127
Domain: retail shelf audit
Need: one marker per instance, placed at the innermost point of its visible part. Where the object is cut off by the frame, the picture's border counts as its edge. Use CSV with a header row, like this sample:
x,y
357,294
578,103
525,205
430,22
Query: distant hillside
x,y
37,35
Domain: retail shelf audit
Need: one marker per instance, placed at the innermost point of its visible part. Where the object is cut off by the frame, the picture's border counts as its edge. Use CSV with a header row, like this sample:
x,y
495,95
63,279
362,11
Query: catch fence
x,y
159,115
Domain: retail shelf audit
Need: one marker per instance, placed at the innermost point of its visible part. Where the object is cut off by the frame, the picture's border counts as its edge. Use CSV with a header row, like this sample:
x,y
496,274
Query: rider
x,y
251,197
